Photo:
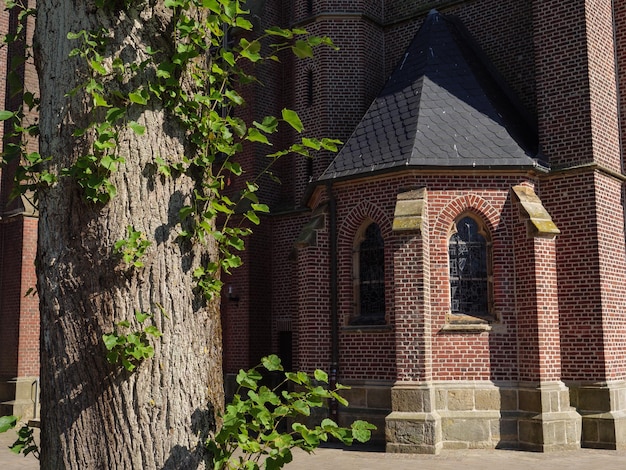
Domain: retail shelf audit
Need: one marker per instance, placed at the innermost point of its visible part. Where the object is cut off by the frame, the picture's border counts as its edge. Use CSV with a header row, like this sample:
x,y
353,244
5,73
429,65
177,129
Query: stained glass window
x,y
469,277
371,278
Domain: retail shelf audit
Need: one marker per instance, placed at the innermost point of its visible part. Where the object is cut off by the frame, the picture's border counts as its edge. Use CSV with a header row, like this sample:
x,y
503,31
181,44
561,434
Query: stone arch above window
x,y
469,203
369,276
469,258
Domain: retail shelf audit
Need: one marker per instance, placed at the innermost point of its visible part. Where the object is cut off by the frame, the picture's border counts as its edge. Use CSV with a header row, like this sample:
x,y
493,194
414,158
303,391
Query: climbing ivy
x,y
215,49
215,63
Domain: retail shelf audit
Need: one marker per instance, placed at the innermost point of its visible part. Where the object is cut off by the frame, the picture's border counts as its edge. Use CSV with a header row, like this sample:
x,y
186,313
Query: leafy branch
x,y
251,436
25,442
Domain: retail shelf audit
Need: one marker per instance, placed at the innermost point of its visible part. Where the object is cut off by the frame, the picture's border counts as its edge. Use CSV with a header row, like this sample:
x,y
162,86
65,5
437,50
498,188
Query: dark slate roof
x,y
444,106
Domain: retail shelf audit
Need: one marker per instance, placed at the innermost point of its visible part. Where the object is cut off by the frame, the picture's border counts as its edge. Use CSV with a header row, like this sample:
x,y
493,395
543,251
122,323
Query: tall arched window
x,y
470,280
369,268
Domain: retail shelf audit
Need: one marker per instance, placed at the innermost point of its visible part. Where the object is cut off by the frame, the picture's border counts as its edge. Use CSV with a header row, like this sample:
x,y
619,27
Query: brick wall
x,y
571,202
578,125
473,355
563,99
388,354
19,314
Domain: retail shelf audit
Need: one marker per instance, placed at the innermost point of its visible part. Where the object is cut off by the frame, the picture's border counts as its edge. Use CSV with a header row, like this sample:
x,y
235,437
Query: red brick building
x,y
19,306
461,261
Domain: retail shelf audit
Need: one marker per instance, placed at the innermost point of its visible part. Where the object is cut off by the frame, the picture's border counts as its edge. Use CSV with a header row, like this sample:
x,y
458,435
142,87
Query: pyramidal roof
x,y
443,107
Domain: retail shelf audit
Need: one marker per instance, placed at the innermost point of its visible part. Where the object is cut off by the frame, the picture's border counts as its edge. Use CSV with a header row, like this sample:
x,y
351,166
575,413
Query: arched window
x,y
369,268
470,280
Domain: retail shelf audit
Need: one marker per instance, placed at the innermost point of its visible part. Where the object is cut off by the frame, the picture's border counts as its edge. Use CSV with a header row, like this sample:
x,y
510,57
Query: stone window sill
x,y
366,328
473,327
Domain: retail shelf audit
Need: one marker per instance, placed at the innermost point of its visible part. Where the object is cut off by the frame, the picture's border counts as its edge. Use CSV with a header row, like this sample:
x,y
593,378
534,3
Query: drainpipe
x,y
334,307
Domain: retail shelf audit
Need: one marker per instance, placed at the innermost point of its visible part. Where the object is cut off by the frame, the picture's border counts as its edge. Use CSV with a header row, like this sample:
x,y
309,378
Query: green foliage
x,y
133,247
131,348
25,442
261,427
7,422
214,57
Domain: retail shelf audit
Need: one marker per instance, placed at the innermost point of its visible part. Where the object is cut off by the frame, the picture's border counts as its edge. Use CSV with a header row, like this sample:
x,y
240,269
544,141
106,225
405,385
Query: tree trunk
x,y
96,415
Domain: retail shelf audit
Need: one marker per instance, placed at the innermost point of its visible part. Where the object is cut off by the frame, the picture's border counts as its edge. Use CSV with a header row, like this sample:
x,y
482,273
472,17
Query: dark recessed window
x,y
469,259
370,278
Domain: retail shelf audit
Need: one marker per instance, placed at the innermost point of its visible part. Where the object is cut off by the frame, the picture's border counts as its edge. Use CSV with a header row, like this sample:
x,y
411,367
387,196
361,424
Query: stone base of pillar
x,y
19,397
429,417
547,422
603,410
413,427
413,433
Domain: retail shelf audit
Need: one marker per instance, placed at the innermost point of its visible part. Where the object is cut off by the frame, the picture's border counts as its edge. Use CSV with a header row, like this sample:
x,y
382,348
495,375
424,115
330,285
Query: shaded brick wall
x,y
312,324
19,314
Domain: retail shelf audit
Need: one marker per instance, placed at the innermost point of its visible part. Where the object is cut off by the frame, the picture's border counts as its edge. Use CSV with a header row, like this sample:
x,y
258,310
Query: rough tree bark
x,y
94,414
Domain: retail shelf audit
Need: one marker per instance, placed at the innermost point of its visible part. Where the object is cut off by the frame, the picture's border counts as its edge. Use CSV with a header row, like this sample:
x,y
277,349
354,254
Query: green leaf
x,y
250,50
302,407
341,400
137,128
272,363
153,331
98,67
249,379
242,23
276,31
312,143
110,341
260,207
7,422
321,376
253,217
292,118
269,124
184,212
361,430
255,136
330,144
141,316
138,97
233,96
108,162
113,114
4,115
302,49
